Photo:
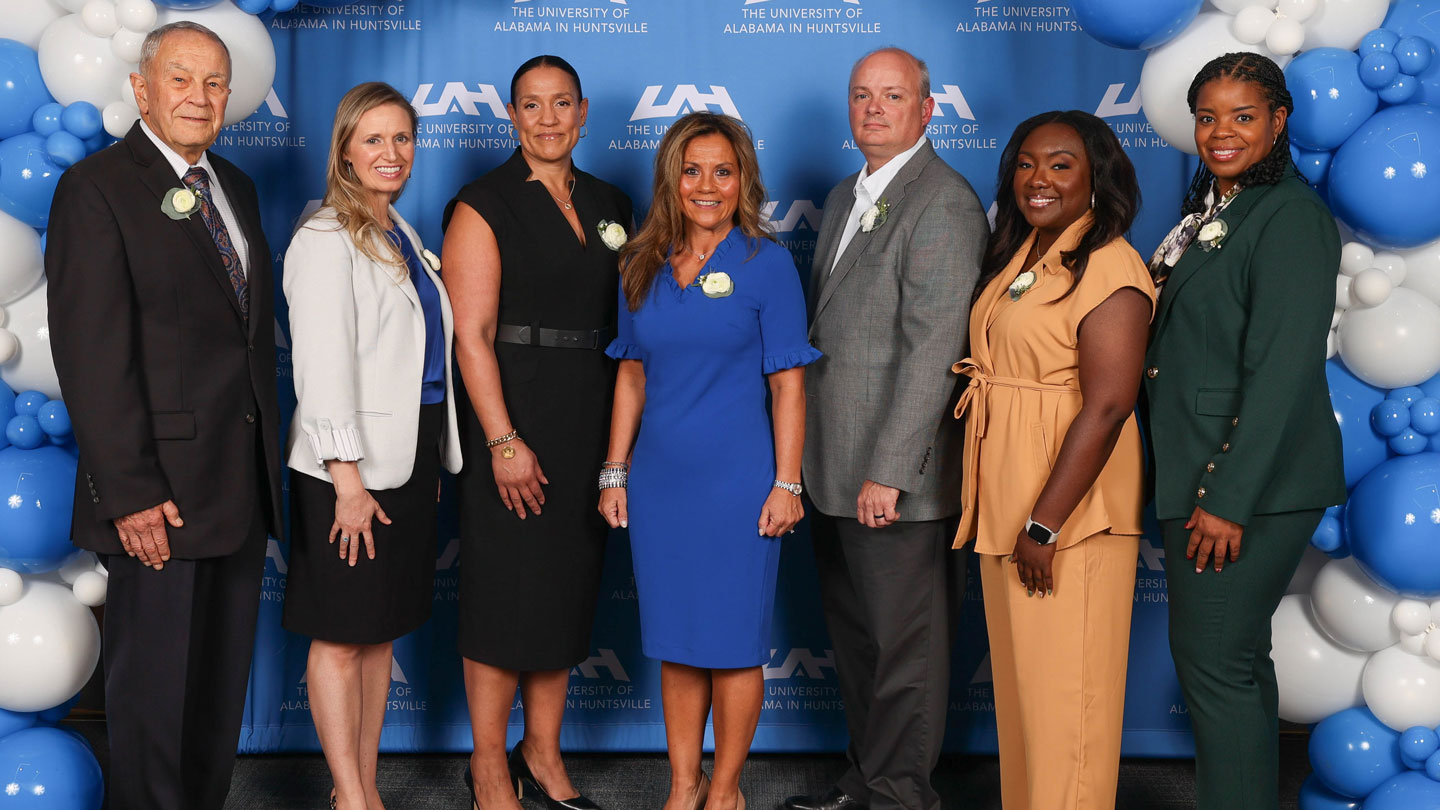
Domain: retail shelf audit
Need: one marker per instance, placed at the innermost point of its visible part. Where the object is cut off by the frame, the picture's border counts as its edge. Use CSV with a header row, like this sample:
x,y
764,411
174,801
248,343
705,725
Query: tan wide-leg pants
x,y
1059,666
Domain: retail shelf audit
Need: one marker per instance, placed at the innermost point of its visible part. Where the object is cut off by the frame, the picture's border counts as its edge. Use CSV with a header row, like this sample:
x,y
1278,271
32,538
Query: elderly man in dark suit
x,y
162,327
898,255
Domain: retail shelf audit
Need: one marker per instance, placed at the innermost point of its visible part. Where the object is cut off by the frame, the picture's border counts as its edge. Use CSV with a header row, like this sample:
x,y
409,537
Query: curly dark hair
x,y
1245,67
1112,179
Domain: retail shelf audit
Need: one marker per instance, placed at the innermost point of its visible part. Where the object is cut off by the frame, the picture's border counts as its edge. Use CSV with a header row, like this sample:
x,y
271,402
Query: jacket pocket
x,y
1217,401
173,424
1041,445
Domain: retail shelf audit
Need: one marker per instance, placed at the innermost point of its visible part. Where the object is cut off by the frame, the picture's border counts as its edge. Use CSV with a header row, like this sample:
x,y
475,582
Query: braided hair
x,y
1244,67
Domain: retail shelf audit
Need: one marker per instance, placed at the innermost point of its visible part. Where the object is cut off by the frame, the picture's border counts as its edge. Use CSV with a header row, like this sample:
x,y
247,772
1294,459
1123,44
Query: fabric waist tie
x,y
535,335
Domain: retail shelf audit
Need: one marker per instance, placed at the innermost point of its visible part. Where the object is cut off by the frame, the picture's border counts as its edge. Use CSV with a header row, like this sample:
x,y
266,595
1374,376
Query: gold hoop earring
x,y
584,130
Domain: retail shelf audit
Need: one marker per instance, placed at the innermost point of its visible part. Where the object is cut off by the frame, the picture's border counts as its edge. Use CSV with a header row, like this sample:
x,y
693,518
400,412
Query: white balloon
x,y
126,90
1310,564
1342,292
252,53
90,588
33,367
1343,23
50,646
127,45
1317,677
77,564
136,15
1422,270
21,262
1298,10
1413,643
1394,344
1332,344
1435,611
1356,256
79,66
1393,264
1169,69
25,20
1285,37
1236,6
1251,24
1432,645
98,17
119,117
1402,689
12,585
1353,608
1410,616
1335,318
1370,288
71,5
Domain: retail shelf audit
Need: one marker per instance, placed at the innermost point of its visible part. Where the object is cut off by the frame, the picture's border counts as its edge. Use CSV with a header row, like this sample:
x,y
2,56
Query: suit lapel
x,y
1196,257
894,194
159,177
832,227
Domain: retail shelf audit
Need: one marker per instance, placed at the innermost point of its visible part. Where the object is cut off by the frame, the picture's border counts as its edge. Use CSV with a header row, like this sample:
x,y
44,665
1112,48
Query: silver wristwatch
x,y
793,489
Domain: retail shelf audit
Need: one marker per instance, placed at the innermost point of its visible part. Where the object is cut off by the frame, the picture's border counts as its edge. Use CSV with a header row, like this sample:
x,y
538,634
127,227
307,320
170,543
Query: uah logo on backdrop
x,y
483,124
269,128
1133,134
801,681
601,683
796,227
954,125
657,101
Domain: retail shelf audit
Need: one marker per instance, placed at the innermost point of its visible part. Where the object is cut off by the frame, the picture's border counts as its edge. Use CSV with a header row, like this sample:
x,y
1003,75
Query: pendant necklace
x,y
565,203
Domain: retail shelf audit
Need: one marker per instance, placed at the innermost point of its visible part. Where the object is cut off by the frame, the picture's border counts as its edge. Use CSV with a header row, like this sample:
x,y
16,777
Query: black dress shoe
x,y
524,779
836,799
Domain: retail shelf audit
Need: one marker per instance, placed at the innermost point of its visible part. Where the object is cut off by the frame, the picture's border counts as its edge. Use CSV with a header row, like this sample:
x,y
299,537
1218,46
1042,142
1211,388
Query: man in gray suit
x,y
898,255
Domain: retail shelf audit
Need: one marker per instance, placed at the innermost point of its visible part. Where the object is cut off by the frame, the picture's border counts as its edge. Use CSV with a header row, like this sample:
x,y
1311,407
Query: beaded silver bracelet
x,y
612,477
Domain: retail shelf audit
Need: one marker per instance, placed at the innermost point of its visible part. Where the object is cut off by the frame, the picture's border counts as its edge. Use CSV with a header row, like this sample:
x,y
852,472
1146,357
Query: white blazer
x,y
358,348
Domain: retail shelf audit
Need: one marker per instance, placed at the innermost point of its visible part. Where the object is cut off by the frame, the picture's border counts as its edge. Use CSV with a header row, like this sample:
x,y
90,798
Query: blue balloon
x,y
46,120
1131,24
1315,796
1393,530
1400,91
1330,100
286,5
49,768
1353,753
27,179
1408,791
1414,55
65,149
1313,166
1381,40
11,722
1385,180
22,90
1419,742
82,119
55,419
28,403
1425,416
1432,766
1412,18
55,714
1378,69
1431,387
1329,536
1412,763
1352,400
38,487
1390,418
1408,395
253,6
1408,443
24,432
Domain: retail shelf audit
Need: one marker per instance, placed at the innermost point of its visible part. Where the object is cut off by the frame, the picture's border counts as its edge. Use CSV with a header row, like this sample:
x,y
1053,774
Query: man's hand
x,y
1212,537
143,533
875,507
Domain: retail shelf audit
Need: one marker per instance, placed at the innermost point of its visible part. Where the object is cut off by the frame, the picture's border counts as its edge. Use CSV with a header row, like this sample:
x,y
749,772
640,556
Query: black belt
x,y
554,338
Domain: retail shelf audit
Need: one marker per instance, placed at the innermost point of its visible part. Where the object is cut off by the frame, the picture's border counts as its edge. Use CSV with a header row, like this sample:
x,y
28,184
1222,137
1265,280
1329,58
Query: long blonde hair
x,y
343,191
644,255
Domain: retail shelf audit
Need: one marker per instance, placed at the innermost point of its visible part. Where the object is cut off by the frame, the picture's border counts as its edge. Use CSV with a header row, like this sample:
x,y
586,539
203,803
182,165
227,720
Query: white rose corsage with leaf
x,y
431,259
716,285
875,216
1022,284
612,234
179,203
1212,235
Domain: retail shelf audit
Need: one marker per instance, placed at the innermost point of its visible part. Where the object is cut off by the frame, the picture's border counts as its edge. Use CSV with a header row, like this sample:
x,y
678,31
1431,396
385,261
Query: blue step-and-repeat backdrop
x,y
781,66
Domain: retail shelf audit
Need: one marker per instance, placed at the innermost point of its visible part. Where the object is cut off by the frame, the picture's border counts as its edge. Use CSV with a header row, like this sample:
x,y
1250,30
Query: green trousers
x,y
1220,638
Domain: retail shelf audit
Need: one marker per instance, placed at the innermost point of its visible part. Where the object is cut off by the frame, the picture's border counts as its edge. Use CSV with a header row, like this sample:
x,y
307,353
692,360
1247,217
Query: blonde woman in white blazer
x,y
370,327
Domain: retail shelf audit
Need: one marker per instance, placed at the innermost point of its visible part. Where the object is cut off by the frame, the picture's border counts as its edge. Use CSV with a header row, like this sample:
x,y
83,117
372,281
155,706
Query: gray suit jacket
x,y
891,319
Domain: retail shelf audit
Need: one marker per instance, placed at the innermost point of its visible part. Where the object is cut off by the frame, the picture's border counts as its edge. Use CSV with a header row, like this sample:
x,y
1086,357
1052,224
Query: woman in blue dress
x,y
711,310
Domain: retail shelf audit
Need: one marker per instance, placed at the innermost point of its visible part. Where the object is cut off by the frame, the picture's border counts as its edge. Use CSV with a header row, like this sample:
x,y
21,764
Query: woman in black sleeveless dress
x,y
533,279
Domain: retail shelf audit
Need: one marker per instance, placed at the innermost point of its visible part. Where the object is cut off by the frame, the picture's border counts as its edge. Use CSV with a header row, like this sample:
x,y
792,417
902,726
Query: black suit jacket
x,y
170,390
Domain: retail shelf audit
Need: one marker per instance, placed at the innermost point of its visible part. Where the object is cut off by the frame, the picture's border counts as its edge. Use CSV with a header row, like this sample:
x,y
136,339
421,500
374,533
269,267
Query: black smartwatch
x,y
1039,533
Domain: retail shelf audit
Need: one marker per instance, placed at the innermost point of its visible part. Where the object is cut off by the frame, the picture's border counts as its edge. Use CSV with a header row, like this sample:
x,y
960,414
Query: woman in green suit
x,y
1246,446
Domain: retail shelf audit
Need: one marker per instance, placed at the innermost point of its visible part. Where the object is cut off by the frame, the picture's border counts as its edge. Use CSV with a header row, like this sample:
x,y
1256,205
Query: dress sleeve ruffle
x,y
772,363
623,350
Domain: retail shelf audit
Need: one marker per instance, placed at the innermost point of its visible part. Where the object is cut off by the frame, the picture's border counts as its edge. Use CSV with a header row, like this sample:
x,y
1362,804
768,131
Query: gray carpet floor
x,y
639,781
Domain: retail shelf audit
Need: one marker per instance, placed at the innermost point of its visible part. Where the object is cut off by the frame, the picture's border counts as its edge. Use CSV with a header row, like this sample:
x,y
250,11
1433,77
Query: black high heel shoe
x,y
520,772
470,788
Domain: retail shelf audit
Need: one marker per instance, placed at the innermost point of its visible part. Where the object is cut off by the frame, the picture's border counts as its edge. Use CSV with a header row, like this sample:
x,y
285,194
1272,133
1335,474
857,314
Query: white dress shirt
x,y
868,188
217,193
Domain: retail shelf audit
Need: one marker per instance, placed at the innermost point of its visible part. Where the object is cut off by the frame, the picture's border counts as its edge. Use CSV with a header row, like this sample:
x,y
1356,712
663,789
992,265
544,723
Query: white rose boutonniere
x,y
179,203
716,285
875,216
1022,284
1212,235
430,259
612,234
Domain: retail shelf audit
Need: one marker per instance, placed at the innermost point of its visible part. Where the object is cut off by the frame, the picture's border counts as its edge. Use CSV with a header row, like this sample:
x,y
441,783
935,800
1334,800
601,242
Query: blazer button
x,y
96,500
1225,448
250,418
1234,422
1152,372
1200,493
1210,467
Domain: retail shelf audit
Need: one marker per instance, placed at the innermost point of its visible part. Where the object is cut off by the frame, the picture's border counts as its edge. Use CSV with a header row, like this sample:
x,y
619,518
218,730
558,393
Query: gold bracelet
x,y
502,439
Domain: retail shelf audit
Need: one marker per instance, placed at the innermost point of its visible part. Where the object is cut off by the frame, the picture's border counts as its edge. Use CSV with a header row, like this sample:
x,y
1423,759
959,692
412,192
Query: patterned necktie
x,y
199,181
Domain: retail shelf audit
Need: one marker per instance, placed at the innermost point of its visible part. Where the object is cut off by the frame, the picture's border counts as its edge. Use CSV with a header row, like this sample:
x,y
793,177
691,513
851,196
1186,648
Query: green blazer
x,y
1240,417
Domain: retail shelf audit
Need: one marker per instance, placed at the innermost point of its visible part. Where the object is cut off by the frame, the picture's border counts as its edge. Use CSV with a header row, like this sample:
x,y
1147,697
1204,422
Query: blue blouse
x,y
432,381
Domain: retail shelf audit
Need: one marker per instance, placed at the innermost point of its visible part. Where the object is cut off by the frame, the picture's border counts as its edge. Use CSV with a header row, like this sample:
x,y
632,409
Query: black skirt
x,y
377,600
